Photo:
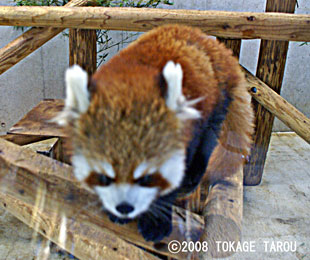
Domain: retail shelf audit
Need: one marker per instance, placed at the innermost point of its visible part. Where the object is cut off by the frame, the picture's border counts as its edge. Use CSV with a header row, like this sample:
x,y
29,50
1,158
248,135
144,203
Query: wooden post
x,y
30,41
83,49
233,44
270,69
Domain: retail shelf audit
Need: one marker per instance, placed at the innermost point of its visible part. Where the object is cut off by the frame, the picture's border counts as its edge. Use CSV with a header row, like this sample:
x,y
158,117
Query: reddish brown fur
x,y
128,83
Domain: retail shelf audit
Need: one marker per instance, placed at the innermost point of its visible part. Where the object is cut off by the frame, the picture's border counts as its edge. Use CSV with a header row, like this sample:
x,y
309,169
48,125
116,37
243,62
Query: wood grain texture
x,y
44,147
22,139
36,122
245,25
233,44
30,41
223,213
29,180
83,49
270,69
278,106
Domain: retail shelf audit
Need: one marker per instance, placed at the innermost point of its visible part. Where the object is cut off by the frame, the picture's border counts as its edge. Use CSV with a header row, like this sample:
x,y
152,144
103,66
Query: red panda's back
x,y
207,66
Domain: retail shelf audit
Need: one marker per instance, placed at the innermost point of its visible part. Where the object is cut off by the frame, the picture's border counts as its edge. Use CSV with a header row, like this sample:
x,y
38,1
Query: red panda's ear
x,y
175,100
77,95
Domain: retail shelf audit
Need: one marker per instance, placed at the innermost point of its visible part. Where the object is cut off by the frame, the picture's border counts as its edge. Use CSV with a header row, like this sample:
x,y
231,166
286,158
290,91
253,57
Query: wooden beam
x,y
83,49
41,190
30,41
270,69
245,25
278,106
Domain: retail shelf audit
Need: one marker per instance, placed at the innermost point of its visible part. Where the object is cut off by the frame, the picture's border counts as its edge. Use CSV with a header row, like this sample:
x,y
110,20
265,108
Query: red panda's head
x,y
128,141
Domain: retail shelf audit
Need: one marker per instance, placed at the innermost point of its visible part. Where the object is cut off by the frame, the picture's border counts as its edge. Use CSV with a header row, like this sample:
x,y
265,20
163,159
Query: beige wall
x,y
41,74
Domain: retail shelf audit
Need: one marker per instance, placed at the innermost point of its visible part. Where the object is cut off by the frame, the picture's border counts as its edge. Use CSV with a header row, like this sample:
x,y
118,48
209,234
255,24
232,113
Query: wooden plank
x,y
36,122
270,69
27,175
83,49
22,139
30,41
241,25
278,106
44,147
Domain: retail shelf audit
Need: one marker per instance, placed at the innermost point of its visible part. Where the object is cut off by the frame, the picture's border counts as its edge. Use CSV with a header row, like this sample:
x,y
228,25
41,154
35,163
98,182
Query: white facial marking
x,y
140,170
175,100
81,167
106,167
173,170
139,197
77,95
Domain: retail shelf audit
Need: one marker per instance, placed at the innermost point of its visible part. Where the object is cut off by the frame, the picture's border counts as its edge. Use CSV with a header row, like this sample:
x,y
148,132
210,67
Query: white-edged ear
x,y
77,95
175,100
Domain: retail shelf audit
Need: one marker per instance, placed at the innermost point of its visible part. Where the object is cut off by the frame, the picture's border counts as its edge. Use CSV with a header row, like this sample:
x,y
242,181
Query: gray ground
x,y
277,211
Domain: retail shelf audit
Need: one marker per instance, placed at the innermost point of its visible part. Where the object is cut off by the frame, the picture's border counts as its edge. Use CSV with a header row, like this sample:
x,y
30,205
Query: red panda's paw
x,y
155,226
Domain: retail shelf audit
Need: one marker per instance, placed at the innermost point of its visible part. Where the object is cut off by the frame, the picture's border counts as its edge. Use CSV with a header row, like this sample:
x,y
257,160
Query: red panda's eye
x,y
98,179
154,180
104,180
146,180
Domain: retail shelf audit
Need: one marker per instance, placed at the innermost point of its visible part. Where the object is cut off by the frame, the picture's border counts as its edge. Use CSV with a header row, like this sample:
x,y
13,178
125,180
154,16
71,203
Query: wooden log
x,y
233,44
83,49
39,191
270,69
30,41
278,106
223,215
241,25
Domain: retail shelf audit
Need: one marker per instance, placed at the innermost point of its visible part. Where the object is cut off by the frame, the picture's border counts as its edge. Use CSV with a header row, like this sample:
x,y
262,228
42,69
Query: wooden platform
x,y
276,218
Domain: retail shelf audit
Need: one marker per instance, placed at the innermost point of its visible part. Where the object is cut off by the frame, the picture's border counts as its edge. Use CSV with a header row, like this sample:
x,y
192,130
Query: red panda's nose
x,y
125,208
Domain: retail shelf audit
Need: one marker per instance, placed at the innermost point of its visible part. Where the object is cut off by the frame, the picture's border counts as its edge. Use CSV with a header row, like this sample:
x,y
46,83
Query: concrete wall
x,y
40,75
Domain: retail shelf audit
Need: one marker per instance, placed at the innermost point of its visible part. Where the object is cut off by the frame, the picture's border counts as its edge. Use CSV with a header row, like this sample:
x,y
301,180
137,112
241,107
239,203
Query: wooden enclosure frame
x,y
92,233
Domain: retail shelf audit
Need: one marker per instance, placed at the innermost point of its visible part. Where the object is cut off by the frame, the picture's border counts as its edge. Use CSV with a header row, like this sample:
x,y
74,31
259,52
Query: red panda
x,y
168,110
